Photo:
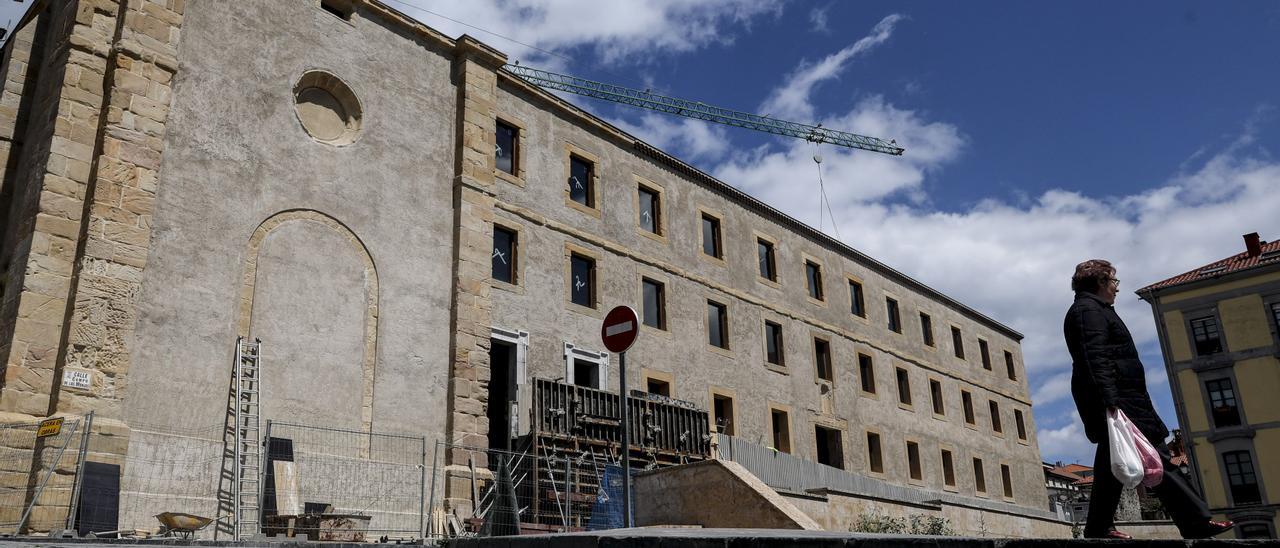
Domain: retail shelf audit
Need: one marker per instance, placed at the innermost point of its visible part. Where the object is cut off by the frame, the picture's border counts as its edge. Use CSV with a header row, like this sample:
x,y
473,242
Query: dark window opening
x,y
768,263
913,461
1275,315
781,430
650,210
868,373
957,342
904,387
773,343
948,469
935,393
582,181
1008,365
586,373
995,416
722,413
856,304
985,352
966,399
504,255
979,477
1021,424
582,280
717,325
506,148
1222,403
895,321
502,393
654,303
830,447
339,8
813,274
926,329
659,387
1244,481
1205,331
822,360
875,461
711,236
1006,481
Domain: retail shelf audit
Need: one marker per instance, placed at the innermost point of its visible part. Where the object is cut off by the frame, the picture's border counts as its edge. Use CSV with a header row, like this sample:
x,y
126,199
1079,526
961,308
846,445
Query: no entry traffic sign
x,y
620,327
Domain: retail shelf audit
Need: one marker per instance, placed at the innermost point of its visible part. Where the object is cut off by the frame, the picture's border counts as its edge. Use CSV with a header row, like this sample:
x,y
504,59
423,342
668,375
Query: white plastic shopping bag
x,y
1152,465
1126,463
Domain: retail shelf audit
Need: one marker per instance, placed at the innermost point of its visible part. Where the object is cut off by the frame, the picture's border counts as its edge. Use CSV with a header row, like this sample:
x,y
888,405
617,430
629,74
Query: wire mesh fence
x,y
39,461
541,490
334,484
165,469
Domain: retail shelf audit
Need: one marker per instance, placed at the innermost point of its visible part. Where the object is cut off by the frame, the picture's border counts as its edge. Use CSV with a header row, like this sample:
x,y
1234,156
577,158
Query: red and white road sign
x,y
620,327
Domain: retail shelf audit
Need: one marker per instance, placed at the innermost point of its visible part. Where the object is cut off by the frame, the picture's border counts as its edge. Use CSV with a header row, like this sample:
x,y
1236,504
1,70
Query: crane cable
x,y
822,195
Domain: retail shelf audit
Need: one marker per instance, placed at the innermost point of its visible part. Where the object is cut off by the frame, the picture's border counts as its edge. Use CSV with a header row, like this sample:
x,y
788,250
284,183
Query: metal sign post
x,y
618,331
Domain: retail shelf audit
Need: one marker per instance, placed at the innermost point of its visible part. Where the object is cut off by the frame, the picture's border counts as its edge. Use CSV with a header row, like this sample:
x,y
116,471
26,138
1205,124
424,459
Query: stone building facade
x,y
1219,328
322,175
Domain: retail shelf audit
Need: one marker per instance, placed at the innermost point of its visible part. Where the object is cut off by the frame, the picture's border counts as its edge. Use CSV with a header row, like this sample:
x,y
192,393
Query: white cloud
x,y
614,30
1066,443
1055,388
697,139
791,101
818,18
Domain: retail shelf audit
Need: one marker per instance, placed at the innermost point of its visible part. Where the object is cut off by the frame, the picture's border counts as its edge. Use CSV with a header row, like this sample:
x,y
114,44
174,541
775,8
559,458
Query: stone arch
x,y
245,315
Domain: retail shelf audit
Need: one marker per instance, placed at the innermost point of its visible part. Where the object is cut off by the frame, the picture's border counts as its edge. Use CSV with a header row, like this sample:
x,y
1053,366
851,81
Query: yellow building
x,y
1219,328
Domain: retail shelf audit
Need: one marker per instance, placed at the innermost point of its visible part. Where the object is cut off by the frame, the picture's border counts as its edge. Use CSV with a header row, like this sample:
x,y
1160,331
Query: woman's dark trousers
x,y
1187,510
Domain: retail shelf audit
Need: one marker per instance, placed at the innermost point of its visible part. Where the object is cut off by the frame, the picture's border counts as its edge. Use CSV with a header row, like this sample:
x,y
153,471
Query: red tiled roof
x,y
1235,263
1073,468
1085,481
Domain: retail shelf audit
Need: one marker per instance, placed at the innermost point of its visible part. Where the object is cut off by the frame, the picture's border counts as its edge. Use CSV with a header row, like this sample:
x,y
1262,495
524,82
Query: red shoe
x,y
1214,528
1112,534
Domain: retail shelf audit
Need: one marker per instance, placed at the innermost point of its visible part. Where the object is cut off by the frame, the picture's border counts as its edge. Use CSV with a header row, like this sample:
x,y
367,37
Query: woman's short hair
x,y
1091,274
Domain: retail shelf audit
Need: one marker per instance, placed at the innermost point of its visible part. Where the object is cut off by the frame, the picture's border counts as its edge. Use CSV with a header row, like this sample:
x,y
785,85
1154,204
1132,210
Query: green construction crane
x,y
701,111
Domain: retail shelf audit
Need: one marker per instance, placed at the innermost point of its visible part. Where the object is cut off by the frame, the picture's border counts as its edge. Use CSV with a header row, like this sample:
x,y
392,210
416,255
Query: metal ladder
x,y
248,450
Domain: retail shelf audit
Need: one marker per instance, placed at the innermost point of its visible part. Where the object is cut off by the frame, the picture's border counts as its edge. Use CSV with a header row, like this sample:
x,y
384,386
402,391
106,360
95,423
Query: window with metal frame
x,y
582,279
717,325
1205,333
773,350
506,149
1243,479
582,181
505,245
711,236
654,304
650,205
1222,402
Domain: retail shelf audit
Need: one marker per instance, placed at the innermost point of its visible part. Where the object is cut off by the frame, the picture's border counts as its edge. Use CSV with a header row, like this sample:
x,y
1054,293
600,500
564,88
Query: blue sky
x,y
1037,134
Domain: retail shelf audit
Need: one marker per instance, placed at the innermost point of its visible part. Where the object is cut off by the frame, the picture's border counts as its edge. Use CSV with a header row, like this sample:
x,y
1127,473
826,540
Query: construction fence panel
x,y
39,461
165,468
329,483
542,491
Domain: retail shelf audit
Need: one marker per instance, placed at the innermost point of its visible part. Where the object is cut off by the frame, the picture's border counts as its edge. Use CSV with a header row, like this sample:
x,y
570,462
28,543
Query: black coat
x,y
1106,371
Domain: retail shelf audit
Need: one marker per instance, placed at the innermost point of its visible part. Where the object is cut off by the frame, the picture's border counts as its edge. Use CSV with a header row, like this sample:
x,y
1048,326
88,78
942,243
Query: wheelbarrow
x,y
181,525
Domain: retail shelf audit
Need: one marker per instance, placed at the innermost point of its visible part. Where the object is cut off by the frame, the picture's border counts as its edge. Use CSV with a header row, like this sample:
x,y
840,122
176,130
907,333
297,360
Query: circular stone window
x,y
327,108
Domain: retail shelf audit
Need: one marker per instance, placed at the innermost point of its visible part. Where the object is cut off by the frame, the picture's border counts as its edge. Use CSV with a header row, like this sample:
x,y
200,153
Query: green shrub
x,y
918,524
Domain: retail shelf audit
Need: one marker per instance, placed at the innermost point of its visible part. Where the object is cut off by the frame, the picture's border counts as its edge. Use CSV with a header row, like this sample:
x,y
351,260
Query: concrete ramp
x,y
713,494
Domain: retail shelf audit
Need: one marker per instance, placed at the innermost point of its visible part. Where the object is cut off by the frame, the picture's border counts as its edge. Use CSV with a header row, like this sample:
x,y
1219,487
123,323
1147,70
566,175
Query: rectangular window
x,y
711,236
904,387
948,469
655,303
1205,331
582,181
1275,315
830,447
768,263
966,401
875,461
586,373
659,387
913,461
781,430
957,342
582,277
868,373
504,255
979,477
650,210
995,416
813,274
1008,366
722,413
857,306
717,325
1222,403
985,352
773,343
935,393
895,321
1021,424
1244,481
506,150
926,329
1006,481
822,360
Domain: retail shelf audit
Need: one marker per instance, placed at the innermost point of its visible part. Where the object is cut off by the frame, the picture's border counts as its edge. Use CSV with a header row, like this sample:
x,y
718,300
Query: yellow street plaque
x,y
49,427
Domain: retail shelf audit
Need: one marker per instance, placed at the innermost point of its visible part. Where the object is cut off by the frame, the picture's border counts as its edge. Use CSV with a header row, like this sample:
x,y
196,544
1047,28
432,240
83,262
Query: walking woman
x,y
1107,374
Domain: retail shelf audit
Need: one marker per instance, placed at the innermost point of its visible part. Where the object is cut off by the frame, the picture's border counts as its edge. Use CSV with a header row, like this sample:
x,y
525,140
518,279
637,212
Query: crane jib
x,y
701,111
